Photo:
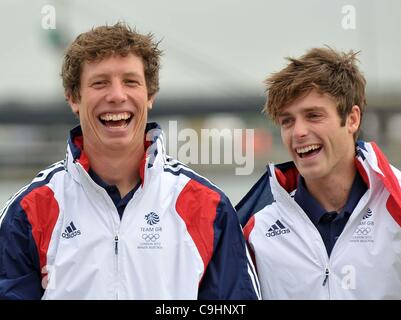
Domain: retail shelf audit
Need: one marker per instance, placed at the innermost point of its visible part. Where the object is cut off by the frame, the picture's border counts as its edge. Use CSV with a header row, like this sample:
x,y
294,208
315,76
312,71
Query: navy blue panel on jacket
x,y
21,280
229,261
256,199
17,234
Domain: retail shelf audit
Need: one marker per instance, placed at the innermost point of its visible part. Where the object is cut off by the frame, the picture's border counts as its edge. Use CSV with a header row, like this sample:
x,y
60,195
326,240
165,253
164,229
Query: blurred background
x,y
216,55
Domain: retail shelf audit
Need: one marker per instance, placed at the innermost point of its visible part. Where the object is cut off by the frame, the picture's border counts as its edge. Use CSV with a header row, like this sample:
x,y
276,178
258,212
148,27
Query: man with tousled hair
x,y
118,218
327,224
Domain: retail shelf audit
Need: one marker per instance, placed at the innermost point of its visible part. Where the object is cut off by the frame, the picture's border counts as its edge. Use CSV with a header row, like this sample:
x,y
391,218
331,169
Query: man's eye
x,y
314,115
99,84
285,122
131,82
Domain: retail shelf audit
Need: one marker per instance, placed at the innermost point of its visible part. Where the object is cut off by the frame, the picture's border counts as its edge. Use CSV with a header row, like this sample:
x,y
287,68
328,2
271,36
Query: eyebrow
x,y
131,74
107,75
314,108
308,109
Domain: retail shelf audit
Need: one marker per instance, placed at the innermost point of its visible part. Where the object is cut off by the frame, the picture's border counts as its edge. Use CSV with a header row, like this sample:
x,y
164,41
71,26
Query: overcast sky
x,y
212,47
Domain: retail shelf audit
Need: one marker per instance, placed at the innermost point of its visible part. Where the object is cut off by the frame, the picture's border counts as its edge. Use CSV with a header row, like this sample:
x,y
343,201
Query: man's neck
x,y
119,168
332,192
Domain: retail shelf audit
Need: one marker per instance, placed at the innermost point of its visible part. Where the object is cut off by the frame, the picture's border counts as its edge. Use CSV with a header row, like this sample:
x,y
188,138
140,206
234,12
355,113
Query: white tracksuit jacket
x,y
291,258
179,236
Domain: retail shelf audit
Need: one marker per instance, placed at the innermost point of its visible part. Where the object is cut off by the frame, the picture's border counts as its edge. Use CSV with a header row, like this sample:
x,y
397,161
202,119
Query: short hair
x,y
324,69
103,42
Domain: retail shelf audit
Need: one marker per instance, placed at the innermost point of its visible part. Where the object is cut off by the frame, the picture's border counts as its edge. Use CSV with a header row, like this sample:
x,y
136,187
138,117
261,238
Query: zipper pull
x,y
116,244
326,277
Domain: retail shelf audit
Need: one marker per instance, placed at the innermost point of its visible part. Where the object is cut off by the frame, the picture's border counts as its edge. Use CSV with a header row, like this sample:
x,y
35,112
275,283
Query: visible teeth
x,y
115,116
308,148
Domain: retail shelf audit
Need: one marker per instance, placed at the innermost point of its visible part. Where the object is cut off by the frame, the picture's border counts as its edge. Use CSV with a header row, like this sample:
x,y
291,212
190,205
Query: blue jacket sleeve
x,y
19,260
230,274
256,199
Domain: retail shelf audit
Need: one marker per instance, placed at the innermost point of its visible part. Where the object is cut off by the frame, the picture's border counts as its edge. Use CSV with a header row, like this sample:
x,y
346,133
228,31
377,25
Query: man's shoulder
x,y
34,192
377,160
180,170
196,192
284,175
258,197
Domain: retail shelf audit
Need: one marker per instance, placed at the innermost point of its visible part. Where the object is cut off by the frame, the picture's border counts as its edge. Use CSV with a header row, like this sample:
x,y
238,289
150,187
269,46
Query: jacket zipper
x,y
326,277
116,255
116,244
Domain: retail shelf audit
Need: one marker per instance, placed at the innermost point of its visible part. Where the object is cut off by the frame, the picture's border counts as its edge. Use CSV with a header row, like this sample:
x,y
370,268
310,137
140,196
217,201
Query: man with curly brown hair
x,y
327,224
118,218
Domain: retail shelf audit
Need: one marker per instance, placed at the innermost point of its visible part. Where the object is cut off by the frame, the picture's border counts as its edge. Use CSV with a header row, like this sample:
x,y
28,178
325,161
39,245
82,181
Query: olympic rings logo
x,y
150,237
362,231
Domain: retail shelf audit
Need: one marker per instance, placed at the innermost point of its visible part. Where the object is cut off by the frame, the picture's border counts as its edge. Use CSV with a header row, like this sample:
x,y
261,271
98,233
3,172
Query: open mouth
x,y
116,120
309,151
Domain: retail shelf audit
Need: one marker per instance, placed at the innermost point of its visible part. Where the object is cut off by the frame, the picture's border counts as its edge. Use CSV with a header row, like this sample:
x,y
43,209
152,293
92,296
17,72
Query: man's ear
x,y
354,119
150,101
73,104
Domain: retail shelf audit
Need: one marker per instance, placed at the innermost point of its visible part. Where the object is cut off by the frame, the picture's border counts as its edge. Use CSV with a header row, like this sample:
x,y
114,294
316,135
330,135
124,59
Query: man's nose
x,y
116,93
300,128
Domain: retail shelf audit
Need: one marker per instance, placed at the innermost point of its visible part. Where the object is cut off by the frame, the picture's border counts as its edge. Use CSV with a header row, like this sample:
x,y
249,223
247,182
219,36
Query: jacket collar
x,y
154,150
371,157
371,164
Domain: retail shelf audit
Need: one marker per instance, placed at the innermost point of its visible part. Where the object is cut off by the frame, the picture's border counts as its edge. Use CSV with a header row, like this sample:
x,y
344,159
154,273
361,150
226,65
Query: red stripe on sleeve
x,y
394,209
391,183
247,231
42,211
197,205
249,227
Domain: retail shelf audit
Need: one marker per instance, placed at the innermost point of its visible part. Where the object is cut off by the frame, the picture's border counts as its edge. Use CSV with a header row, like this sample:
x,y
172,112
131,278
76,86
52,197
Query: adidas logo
x,y
70,231
277,229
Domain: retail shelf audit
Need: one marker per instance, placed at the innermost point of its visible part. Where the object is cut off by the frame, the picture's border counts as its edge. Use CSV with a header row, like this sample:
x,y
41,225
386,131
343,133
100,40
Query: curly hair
x,y
103,42
324,69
